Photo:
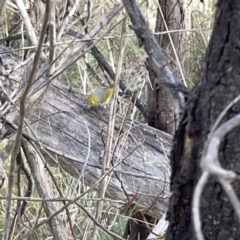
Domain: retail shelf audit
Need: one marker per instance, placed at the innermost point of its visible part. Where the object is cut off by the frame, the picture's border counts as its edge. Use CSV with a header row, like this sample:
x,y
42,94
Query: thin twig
x,y
52,36
64,25
36,221
97,223
172,44
53,179
21,122
30,30
110,131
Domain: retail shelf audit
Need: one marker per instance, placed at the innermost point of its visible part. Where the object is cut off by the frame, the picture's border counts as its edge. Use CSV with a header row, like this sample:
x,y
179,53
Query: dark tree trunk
x,y
218,84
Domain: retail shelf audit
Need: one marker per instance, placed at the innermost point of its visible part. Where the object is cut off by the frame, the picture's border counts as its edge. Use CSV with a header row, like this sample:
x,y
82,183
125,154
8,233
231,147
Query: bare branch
x,y
97,223
52,35
21,121
30,30
156,55
108,155
2,6
64,25
44,189
74,55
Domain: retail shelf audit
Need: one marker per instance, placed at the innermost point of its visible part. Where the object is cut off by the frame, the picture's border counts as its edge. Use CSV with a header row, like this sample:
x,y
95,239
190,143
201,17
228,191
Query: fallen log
x,y
72,134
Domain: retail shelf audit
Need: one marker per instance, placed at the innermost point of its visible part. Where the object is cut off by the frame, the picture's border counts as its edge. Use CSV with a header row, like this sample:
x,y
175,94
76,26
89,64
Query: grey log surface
x,y
75,136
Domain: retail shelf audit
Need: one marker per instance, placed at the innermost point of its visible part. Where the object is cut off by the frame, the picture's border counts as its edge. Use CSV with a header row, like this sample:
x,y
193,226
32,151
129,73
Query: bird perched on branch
x,y
100,96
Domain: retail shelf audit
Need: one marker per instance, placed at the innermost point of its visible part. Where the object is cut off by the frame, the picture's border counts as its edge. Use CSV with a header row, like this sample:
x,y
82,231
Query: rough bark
x,y
173,14
161,103
218,84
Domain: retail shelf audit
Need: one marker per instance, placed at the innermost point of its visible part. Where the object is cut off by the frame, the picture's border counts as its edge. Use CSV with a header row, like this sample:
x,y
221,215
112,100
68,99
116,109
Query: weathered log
x,y
74,135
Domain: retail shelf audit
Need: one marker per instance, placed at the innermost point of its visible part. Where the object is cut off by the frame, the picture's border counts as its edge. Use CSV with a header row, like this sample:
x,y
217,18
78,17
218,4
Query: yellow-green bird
x,y
100,96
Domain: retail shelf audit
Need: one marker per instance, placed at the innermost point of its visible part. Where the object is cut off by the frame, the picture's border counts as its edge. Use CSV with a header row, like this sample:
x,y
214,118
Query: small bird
x,y
100,96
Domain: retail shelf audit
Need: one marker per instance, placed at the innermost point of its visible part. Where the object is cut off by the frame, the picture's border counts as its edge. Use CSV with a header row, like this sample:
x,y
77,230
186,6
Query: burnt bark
x,y
218,84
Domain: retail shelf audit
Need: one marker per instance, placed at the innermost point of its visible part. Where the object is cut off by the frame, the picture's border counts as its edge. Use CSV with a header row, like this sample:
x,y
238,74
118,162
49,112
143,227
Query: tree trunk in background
x,y
218,84
160,101
174,16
